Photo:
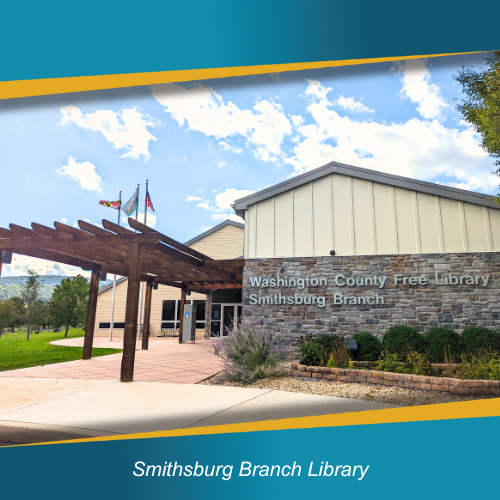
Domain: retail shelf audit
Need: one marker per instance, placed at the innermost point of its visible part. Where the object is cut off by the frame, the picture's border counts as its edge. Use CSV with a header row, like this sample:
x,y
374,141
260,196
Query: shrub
x,y
387,362
340,356
369,347
250,354
476,338
438,339
483,366
311,354
418,364
316,352
401,340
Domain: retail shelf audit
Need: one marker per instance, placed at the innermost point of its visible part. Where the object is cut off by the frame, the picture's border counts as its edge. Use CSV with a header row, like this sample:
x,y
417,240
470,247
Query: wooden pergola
x,y
145,255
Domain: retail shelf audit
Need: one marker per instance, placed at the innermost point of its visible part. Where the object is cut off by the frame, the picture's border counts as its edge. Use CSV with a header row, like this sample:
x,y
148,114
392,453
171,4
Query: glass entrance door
x,y
227,318
223,316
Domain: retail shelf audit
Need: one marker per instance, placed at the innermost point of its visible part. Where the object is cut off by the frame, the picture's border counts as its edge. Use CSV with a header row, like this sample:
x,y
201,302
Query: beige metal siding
x,y
283,225
302,222
385,220
357,217
323,214
429,223
226,243
362,203
265,220
343,227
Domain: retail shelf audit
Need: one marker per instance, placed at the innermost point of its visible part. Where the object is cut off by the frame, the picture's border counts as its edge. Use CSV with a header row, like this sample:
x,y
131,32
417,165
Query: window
x,y
107,326
171,310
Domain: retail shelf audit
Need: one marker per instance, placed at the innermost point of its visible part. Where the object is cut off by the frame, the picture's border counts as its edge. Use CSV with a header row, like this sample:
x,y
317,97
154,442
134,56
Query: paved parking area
x,y
165,361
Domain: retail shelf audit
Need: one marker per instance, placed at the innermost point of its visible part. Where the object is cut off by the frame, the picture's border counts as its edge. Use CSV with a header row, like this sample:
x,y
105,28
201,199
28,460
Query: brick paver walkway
x,y
165,361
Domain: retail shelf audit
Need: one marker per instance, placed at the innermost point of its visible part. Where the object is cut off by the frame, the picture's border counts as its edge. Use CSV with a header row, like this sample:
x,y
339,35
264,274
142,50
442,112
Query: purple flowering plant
x,y
250,354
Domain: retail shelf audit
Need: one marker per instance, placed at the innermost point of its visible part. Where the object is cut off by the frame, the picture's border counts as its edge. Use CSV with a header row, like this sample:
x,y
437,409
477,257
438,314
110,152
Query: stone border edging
x,y
442,385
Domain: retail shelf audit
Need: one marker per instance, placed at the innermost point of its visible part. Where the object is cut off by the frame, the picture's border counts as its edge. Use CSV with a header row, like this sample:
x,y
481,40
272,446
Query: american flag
x,y
149,203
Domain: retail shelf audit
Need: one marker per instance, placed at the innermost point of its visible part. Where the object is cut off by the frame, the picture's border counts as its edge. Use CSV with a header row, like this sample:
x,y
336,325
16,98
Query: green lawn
x,y
17,352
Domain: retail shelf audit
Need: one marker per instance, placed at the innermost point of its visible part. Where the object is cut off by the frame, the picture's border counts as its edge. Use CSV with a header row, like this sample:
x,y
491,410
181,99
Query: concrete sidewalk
x,y
38,410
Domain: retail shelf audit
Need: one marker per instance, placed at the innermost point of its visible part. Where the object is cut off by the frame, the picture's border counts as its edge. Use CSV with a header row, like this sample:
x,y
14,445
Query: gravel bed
x,y
380,393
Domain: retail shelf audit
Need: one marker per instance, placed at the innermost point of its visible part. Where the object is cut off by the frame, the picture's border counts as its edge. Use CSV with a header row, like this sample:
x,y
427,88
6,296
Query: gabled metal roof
x,y
368,175
110,285
227,222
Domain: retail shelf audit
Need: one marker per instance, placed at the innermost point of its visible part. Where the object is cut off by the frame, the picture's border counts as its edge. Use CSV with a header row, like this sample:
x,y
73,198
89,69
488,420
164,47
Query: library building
x,y
341,249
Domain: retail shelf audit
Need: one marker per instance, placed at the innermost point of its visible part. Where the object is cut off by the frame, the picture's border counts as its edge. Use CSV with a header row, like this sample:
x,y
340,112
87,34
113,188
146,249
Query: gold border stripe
x,y
26,88
444,411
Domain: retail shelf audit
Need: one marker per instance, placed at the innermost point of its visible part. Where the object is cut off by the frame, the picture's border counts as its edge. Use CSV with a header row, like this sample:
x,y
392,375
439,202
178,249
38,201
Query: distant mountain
x,y
11,286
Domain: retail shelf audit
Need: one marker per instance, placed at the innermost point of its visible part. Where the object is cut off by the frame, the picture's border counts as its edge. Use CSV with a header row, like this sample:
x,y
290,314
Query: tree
x,y
12,313
7,312
481,108
29,294
68,306
40,315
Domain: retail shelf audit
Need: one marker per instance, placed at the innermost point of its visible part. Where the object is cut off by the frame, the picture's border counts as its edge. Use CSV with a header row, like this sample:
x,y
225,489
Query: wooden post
x,y
208,314
91,310
131,313
147,315
181,314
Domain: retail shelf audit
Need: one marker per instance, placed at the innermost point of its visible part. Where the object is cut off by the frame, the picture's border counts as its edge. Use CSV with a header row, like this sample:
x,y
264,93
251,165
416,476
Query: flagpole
x,y
146,203
114,283
137,211
142,285
140,295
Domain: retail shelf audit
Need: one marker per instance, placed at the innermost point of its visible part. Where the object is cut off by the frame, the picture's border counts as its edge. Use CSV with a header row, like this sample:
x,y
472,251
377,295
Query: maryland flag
x,y
111,204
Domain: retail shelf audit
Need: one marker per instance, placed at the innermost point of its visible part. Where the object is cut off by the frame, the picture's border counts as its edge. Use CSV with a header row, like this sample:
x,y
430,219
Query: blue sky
x,y
204,144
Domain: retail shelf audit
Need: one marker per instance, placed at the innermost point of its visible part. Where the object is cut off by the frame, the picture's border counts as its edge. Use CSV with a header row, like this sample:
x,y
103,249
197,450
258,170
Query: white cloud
x,y
415,78
352,105
421,149
224,200
264,126
225,146
221,205
84,173
223,217
64,220
126,129
22,263
297,120
221,164
204,205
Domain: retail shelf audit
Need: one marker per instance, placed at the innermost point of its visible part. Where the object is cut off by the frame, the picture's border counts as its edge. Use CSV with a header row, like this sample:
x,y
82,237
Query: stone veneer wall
x,y
420,306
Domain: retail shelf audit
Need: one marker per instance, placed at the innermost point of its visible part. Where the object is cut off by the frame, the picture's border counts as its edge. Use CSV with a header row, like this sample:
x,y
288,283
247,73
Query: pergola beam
x,y
169,241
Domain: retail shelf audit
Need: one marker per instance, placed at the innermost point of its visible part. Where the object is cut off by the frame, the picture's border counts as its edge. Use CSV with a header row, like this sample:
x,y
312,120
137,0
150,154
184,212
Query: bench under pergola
x,y
144,255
